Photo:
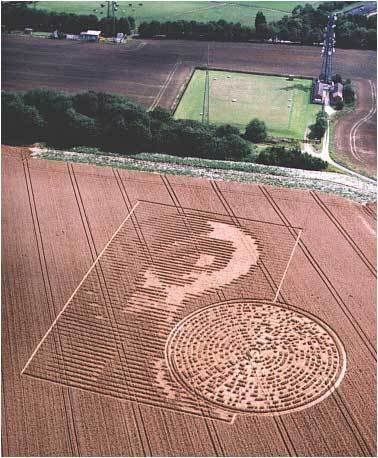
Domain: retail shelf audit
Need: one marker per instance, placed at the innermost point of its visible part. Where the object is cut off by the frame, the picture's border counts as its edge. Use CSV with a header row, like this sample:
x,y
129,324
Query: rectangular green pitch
x,y
236,98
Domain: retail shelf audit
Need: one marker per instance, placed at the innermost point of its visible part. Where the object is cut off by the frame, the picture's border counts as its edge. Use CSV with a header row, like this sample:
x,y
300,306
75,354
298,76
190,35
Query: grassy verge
x,y
221,170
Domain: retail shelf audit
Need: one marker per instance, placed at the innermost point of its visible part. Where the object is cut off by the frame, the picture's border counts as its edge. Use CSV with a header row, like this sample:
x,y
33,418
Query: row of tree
x,y
112,123
317,130
305,25
115,123
290,157
18,16
213,30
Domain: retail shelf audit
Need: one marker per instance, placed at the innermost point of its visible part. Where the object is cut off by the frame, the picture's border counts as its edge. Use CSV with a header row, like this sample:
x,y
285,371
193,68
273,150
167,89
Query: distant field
x,y
284,105
243,12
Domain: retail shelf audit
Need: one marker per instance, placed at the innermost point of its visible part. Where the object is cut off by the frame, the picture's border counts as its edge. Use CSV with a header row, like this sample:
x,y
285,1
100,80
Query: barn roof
x,y
91,32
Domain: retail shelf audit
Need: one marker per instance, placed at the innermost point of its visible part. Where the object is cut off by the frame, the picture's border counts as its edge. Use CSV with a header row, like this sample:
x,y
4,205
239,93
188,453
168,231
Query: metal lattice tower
x,y
328,50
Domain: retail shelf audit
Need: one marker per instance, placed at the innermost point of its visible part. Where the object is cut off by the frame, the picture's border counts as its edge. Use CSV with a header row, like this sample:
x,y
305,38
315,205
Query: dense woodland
x,y
115,123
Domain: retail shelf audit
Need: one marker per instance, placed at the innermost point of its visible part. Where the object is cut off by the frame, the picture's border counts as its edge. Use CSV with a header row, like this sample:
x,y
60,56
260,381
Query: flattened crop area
x,y
182,316
236,98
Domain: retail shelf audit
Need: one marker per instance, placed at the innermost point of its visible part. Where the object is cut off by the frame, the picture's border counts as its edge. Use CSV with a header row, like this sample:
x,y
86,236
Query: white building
x,y
90,35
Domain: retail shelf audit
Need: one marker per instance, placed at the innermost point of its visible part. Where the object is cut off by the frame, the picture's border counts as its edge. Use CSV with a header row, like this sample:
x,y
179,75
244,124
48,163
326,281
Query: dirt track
x,y
356,133
55,223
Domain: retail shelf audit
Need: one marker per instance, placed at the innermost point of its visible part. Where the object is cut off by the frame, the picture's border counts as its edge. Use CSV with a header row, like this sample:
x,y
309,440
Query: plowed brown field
x,y
157,315
356,133
154,72
151,70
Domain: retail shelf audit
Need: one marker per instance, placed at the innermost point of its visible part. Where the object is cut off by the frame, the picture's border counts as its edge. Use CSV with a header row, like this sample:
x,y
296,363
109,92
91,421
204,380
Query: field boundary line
x,y
49,298
323,276
128,205
120,398
182,90
344,233
249,72
358,435
164,86
184,87
77,288
103,286
357,124
360,332
288,264
369,212
195,10
195,211
108,301
285,437
236,222
216,444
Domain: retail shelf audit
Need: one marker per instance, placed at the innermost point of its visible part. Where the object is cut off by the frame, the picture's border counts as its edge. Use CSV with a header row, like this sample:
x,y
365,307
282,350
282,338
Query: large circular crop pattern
x,y
256,356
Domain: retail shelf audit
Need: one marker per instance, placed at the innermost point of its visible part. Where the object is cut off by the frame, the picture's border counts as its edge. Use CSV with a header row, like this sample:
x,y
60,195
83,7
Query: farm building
x,y
320,91
337,91
90,35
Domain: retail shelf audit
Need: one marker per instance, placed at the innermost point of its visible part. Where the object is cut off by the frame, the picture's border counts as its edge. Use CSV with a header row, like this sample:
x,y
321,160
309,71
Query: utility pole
x,y
112,7
328,50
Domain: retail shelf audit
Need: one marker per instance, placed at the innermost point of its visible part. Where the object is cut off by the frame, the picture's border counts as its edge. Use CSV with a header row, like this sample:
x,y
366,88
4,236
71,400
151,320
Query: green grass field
x,y
243,12
283,105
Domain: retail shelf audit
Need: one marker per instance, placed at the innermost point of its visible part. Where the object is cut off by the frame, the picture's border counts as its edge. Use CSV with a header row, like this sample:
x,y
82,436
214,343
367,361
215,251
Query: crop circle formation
x,y
256,357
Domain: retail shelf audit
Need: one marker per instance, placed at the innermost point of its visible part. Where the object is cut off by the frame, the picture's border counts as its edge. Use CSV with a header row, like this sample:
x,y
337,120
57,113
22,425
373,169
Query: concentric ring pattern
x,y
256,357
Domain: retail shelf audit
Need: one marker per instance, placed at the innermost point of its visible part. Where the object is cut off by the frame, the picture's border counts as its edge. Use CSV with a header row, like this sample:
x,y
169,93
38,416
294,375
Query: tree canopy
x,y
256,131
112,123
290,157
305,25
318,129
17,16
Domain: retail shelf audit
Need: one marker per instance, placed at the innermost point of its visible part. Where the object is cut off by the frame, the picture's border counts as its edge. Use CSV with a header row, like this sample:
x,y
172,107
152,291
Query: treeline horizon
x,y
19,17
305,26
114,123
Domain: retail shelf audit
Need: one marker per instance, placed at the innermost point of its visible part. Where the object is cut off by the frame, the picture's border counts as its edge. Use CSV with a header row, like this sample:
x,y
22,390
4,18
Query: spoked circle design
x,y
256,356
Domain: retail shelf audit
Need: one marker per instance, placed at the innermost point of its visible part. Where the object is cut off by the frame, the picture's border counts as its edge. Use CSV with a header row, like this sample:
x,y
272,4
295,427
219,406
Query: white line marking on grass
x,y
288,263
200,9
73,294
